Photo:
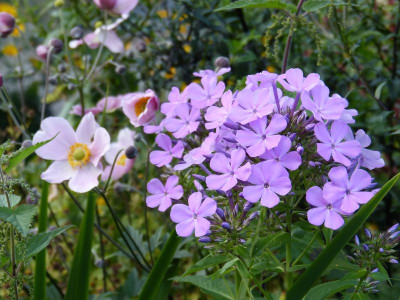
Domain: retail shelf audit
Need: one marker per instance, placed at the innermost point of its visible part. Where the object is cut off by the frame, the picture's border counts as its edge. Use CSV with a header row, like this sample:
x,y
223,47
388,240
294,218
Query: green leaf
x,y
378,91
157,274
274,4
324,290
314,5
14,199
78,281
225,269
315,270
41,240
272,240
24,153
206,262
217,288
40,290
20,217
382,269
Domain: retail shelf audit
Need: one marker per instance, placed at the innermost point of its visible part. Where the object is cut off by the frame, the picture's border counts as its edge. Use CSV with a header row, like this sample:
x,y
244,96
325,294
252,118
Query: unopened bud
x,y
222,62
57,45
357,240
205,240
42,51
226,225
367,233
7,24
393,228
61,68
26,144
59,3
141,46
247,206
77,32
99,263
199,177
220,213
131,152
394,235
120,69
53,80
1,80
393,261
300,150
365,246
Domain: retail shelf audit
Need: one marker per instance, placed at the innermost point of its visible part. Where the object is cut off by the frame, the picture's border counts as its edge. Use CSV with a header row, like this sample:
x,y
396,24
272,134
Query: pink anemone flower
x,y
76,155
109,103
119,7
123,165
140,108
109,38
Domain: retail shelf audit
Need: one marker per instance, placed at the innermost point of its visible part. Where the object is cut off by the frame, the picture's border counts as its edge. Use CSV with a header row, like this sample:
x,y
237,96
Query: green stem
x,y
258,229
40,262
289,275
146,221
306,249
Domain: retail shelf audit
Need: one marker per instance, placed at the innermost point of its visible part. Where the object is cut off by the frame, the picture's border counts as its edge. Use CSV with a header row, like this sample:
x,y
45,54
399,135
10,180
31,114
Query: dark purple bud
x,y
199,177
220,212
226,225
300,150
120,69
375,270
61,68
367,233
1,80
57,45
356,240
350,258
236,209
394,235
208,232
205,239
232,125
7,24
242,241
131,152
53,80
106,4
99,263
247,206
229,139
365,246
287,118
393,261
77,32
393,228
141,46
292,136
222,62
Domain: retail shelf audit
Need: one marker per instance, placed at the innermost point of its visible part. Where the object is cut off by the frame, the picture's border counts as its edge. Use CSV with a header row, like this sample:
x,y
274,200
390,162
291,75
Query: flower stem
x,y
146,221
46,85
289,275
305,249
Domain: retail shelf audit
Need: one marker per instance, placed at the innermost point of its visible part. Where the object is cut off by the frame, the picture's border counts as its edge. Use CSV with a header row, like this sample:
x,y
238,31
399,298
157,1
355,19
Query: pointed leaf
x,y
14,199
274,4
20,217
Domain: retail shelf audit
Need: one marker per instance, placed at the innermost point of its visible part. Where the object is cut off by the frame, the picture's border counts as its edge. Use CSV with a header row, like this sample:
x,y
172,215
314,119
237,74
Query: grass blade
x,y
40,266
315,270
78,281
157,274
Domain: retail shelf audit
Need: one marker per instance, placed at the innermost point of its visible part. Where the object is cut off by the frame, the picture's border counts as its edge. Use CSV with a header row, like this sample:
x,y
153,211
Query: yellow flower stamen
x,y
140,106
78,155
121,160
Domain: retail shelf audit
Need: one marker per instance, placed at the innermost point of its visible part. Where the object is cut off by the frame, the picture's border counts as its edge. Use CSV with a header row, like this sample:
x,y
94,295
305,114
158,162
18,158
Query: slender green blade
x,y
315,270
157,274
40,267
273,4
78,281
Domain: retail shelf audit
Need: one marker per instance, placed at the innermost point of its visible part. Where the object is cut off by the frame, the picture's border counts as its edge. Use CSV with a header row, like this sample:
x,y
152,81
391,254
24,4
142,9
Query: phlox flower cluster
x,y
280,139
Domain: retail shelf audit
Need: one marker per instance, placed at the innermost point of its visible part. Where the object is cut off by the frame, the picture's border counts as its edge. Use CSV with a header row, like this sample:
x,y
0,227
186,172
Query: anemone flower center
x,y
140,106
78,155
121,160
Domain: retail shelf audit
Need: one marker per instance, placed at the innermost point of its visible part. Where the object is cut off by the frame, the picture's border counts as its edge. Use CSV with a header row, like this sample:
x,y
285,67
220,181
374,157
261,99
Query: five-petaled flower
x,y
192,217
161,158
76,155
162,195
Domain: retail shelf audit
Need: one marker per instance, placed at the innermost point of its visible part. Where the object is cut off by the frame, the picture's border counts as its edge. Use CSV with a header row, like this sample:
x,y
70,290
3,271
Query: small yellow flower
x,y
171,73
10,50
271,69
187,48
162,13
16,32
5,7
183,29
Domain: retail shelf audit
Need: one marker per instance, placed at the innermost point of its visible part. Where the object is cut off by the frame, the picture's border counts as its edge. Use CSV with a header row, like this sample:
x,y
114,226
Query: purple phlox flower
x,y
348,190
280,155
370,159
203,73
262,137
161,158
286,103
261,80
161,195
321,105
207,94
347,114
230,169
251,106
332,143
294,81
325,212
175,100
268,180
193,216
197,155
184,123
150,129
216,116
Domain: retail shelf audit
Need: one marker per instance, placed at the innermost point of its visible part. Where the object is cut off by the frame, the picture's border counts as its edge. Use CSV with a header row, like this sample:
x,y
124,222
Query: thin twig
x,y
102,253
145,206
46,85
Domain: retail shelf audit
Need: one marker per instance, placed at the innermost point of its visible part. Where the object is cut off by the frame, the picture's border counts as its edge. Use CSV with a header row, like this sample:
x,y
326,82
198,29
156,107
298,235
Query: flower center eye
x,y
122,160
78,155
264,136
140,106
329,206
347,192
195,215
266,185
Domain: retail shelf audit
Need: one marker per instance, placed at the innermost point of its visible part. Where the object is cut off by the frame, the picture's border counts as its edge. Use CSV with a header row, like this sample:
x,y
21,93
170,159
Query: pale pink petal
x,y
155,186
154,200
220,163
207,208
180,213
253,193
269,198
360,180
185,229
58,171
100,145
314,196
86,129
201,226
124,7
85,179
333,220
316,216
195,201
